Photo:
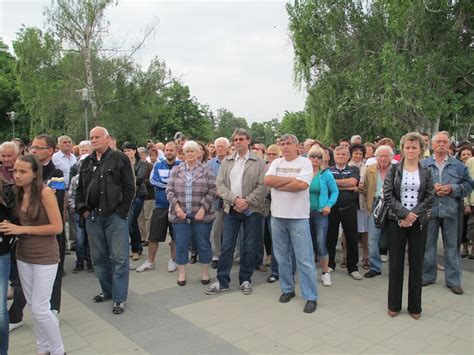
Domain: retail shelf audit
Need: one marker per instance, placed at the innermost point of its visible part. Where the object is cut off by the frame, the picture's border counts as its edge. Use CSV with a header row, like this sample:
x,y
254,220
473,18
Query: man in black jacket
x,y
103,198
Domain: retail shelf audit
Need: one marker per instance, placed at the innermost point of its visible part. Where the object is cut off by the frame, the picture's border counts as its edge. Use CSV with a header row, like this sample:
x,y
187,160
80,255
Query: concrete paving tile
x,y
92,327
219,349
355,345
460,346
74,342
324,349
319,329
260,344
25,349
464,332
406,345
371,333
379,349
299,342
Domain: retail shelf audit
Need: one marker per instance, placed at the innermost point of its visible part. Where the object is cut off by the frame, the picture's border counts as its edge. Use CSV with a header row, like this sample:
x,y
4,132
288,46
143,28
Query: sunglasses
x,y
240,139
316,156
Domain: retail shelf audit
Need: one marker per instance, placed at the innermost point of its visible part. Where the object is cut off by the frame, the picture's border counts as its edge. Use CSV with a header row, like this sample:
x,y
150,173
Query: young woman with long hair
x,y
37,251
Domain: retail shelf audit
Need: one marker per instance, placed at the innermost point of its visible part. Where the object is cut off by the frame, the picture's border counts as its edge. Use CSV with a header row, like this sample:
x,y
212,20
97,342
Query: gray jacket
x,y
253,188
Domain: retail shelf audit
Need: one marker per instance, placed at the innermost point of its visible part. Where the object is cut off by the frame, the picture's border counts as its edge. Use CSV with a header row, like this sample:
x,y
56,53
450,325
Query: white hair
x,y
10,146
353,138
191,145
382,148
222,139
62,138
84,143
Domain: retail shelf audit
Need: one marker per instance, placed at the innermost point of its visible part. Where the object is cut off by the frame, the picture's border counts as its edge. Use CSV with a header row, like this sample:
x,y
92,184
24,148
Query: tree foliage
x,y
294,123
383,67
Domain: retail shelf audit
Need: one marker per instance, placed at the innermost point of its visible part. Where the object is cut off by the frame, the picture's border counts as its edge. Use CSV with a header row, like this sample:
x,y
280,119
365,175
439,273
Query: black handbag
x,y
380,212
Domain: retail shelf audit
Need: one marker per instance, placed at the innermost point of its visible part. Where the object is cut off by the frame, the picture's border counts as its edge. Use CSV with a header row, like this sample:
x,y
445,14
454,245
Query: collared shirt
x,y
237,173
345,196
64,163
441,166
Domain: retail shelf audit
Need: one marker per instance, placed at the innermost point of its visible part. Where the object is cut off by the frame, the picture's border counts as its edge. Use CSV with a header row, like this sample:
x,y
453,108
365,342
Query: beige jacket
x,y
253,188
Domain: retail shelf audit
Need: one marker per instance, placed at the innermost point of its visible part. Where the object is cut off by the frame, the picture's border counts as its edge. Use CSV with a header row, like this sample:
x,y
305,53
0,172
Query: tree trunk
x,y
434,128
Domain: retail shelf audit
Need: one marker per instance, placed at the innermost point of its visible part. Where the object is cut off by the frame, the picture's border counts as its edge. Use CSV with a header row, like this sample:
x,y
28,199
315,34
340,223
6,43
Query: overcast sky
x,y
235,55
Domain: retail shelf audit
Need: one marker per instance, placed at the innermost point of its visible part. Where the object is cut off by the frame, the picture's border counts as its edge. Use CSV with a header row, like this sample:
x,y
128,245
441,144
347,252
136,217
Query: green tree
x,y
382,67
294,123
226,123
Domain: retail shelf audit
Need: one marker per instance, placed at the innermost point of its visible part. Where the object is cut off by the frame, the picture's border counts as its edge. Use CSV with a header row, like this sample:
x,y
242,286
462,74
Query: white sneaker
x,y
384,258
146,266
356,276
326,279
171,265
330,269
13,326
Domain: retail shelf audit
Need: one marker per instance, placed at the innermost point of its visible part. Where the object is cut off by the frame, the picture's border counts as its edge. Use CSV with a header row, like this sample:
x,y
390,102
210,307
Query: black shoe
x,y
78,269
101,298
193,259
67,252
145,243
286,297
310,306
72,247
272,278
118,308
181,283
206,282
426,283
214,264
457,290
90,268
371,273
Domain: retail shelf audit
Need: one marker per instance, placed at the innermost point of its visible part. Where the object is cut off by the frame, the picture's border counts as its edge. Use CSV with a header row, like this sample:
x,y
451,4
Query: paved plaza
x,y
164,318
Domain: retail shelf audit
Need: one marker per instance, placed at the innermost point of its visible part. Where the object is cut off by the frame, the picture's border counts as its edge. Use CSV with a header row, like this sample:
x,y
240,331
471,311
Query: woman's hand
x,y
8,228
180,214
199,216
467,210
411,218
325,211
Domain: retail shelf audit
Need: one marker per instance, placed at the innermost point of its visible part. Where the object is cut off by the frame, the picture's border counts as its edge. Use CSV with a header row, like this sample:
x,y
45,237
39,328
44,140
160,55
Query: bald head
x,y
99,138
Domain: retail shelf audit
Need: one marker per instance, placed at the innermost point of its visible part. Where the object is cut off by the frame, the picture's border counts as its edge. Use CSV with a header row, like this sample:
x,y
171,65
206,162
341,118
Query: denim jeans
x,y
374,245
82,245
5,263
108,238
259,247
135,237
252,225
452,258
288,233
200,233
319,230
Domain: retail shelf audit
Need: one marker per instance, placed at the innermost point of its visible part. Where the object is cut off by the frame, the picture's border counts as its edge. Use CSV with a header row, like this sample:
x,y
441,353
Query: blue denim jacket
x,y
456,174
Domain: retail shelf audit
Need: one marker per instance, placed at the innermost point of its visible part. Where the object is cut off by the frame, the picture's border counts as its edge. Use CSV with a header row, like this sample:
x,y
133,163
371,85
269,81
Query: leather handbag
x,y
380,212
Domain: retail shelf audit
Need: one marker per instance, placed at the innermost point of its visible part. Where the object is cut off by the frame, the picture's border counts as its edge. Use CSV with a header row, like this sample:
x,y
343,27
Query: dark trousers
x,y
398,239
135,237
347,216
56,295
252,231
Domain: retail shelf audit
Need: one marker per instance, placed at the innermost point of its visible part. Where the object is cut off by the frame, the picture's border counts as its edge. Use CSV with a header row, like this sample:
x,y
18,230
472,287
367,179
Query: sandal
x,y
343,263
101,298
365,264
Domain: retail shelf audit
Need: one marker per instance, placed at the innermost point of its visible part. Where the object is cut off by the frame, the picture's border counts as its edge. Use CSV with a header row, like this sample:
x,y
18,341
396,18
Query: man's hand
x,y
467,210
240,204
199,216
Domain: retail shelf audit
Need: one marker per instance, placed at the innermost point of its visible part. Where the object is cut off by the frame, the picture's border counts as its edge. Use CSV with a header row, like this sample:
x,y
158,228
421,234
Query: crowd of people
x,y
224,203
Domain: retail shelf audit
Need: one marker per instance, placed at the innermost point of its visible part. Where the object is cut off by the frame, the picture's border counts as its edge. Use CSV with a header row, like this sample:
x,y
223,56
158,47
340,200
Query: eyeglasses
x,y
272,154
37,147
239,139
316,156
282,144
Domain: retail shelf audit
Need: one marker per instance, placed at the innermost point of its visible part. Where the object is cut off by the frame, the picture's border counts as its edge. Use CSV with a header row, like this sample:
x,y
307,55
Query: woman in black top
x,y
409,192
6,208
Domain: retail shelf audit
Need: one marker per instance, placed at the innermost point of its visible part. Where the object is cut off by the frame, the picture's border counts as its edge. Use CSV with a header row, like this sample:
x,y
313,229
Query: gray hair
x,y
222,139
353,138
191,145
84,143
382,148
102,129
142,150
289,136
10,146
340,147
445,133
240,132
62,138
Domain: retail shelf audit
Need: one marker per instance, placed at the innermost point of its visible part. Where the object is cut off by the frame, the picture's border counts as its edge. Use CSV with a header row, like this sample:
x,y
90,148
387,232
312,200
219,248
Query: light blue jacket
x,y
455,174
329,190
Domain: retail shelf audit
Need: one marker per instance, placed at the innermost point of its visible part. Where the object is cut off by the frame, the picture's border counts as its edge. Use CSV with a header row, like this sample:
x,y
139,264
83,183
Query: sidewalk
x,y
163,318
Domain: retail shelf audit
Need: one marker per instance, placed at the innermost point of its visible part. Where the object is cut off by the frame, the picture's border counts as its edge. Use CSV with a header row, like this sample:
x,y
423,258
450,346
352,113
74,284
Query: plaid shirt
x,y
202,188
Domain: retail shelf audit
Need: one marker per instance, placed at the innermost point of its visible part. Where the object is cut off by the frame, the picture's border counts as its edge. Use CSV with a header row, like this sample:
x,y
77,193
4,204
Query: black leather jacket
x,y
6,213
391,193
111,177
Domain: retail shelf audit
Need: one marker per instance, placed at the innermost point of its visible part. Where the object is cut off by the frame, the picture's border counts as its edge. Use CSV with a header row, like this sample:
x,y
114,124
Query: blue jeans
x,y
319,230
288,233
200,233
452,258
135,237
5,263
82,245
252,231
108,239
374,245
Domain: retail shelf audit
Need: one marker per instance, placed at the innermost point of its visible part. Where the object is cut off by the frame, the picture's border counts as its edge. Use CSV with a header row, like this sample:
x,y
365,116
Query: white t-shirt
x,y
410,189
286,204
